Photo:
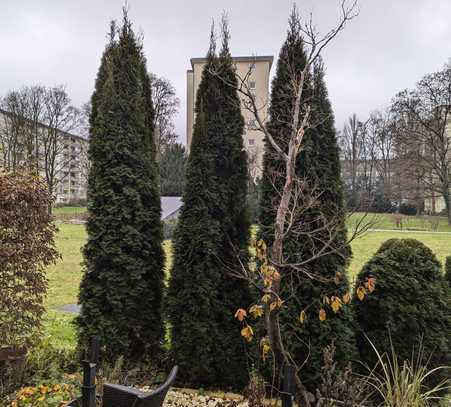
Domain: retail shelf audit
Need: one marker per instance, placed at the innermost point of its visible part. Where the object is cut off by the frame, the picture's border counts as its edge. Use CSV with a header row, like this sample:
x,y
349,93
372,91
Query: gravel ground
x,y
192,398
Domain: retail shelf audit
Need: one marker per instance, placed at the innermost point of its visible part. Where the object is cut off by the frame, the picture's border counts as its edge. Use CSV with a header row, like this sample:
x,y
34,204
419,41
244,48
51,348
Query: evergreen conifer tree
x,y
121,290
172,170
213,231
318,165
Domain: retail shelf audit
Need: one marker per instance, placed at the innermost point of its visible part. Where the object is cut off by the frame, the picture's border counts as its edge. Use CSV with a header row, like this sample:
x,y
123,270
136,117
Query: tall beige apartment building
x,y
258,68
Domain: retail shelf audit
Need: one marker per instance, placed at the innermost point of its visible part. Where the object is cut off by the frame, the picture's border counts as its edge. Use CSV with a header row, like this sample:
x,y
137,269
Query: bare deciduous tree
x,y
35,123
61,118
166,105
424,126
21,118
353,146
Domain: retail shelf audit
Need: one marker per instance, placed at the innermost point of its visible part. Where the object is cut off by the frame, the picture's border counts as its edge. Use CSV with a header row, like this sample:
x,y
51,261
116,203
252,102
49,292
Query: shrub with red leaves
x,y
27,247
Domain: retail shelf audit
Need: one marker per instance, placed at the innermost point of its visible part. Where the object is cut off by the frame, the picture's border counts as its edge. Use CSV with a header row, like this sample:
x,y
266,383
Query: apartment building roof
x,y
170,206
256,58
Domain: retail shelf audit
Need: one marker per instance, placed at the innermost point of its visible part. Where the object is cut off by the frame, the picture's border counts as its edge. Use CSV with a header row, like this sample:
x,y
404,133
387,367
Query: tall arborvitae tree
x,y
121,290
292,59
213,231
172,170
318,168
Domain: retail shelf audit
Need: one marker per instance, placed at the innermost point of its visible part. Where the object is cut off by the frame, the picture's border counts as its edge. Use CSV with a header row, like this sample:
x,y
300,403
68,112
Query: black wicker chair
x,y
115,395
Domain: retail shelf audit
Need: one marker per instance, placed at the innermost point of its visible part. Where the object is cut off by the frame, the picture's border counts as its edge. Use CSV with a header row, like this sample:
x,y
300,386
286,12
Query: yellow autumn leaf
x,y
265,347
247,333
277,304
265,350
266,298
43,389
346,298
261,244
276,275
256,311
267,281
240,314
335,304
302,317
322,314
361,293
261,249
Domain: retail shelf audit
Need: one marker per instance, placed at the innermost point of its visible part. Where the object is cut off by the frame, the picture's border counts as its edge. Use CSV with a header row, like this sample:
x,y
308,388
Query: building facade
x,y
256,70
60,156
73,174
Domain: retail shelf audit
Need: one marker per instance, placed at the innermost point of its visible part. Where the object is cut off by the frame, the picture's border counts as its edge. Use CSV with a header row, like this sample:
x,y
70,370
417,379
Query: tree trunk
x,y
447,200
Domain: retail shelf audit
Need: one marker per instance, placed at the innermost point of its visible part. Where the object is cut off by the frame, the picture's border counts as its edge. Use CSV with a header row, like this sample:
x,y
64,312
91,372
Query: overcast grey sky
x,y
388,47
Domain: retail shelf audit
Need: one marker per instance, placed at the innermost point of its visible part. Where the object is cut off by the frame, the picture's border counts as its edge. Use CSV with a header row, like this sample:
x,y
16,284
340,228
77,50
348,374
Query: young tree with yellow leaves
x,y
295,206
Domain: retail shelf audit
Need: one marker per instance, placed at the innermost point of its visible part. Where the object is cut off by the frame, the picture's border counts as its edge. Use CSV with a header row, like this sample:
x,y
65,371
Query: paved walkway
x,y
72,308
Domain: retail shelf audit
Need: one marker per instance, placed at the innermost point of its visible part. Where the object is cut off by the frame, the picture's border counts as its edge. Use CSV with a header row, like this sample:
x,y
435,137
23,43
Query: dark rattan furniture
x,y
115,395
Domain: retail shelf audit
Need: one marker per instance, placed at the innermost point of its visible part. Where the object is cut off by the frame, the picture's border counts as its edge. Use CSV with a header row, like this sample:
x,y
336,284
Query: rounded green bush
x,y
410,303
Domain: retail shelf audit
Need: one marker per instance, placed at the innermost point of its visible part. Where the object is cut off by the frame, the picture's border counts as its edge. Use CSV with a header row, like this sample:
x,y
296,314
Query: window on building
x,y
251,142
252,124
252,66
252,85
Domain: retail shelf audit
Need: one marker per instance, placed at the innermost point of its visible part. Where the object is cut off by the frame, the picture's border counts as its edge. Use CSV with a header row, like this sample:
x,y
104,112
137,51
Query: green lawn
x,y
364,247
386,221
69,210
64,277
381,221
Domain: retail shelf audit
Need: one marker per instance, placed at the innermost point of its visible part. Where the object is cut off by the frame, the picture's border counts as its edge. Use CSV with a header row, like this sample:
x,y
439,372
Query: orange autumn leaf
x,y
370,284
346,298
322,314
240,314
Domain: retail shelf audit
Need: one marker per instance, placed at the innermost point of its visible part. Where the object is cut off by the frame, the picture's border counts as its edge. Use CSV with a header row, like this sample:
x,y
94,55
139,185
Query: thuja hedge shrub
x,y
410,304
